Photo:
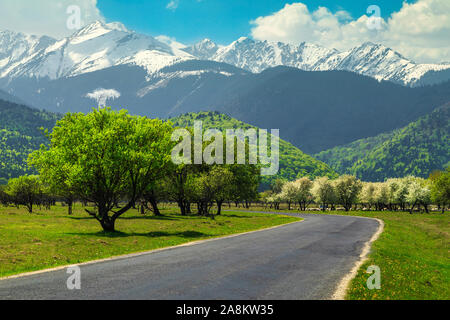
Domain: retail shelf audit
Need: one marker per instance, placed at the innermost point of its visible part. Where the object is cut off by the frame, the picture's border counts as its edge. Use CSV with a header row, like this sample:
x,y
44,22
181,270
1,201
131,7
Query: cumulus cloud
x,y
47,17
419,30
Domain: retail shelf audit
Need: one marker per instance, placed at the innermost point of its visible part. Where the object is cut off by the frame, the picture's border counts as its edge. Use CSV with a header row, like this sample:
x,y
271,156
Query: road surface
x,y
304,260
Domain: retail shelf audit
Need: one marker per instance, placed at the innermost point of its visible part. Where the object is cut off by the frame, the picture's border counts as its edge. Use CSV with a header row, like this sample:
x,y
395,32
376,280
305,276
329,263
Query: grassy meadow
x,y
412,252
47,239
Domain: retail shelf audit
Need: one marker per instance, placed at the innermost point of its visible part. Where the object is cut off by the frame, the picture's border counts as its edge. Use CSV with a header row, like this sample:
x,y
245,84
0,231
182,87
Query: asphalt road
x,y
304,260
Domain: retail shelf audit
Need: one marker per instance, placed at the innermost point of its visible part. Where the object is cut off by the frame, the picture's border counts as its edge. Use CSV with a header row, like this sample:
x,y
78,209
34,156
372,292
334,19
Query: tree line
x,y
116,162
405,194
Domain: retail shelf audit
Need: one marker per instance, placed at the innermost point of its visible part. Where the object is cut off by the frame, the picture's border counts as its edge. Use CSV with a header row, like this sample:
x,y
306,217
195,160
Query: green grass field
x,y
47,239
413,253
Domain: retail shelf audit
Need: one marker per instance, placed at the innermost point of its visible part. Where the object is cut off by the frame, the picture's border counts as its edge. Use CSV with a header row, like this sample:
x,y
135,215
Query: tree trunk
x,y
219,207
412,208
108,224
154,204
182,207
70,205
188,207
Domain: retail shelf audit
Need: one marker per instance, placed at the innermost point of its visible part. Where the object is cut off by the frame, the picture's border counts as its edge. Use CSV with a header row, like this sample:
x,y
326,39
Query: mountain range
x,y
368,59
99,45
318,97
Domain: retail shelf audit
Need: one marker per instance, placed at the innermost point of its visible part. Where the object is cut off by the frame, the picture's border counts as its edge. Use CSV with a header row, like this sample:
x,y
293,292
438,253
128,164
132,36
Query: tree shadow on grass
x,y
153,234
236,216
130,218
150,218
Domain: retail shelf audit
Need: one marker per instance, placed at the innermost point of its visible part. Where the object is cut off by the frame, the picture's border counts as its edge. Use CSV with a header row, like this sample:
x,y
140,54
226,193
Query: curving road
x,y
304,260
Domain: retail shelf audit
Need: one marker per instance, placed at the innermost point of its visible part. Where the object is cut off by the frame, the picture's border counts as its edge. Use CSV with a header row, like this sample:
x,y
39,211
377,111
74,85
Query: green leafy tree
x,y
246,180
418,194
304,195
215,185
323,192
277,185
105,157
25,190
289,193
347,190
440,188
4,197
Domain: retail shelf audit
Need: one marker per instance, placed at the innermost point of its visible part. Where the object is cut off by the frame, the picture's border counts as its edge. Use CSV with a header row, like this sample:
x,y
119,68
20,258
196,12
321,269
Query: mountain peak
x,y
98,28
118,26
204,49
91,27
244,40
206,41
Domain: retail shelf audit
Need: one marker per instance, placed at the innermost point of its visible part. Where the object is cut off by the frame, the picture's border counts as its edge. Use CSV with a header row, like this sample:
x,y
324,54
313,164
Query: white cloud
x,y
103,95
419,31
47,17
173,4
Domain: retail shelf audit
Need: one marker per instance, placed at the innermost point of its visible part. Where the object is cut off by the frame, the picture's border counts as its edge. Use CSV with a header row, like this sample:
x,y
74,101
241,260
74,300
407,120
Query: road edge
x,y
138,254
341,291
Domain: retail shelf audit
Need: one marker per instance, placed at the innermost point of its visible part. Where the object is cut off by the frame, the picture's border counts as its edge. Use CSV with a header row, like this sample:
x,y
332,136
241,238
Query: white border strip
x,y
134,255
343,286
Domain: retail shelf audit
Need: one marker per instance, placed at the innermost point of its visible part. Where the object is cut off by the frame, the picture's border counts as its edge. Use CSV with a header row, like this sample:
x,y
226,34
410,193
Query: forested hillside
x,y
293,162
417,149
20,134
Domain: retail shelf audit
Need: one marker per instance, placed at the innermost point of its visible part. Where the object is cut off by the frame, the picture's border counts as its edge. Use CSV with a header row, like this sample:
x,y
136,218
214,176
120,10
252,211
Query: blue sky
x,y
220,20
418,29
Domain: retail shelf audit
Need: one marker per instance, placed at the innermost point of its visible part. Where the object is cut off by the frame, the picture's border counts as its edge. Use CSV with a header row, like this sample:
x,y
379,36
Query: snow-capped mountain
x,y
369,59
95,47
204,50
99,46
15,48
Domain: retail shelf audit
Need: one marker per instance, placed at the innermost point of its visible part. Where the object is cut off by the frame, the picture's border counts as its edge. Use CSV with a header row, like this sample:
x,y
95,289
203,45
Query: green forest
x,y
22,130
417,149
20,134
294,163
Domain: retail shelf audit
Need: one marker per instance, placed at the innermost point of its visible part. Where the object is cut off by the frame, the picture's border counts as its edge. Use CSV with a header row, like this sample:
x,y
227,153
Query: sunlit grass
x,y
413,255
46,239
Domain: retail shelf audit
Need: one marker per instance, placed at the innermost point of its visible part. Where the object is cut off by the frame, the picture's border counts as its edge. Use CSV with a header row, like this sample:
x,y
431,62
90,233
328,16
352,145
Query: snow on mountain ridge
x,y
16,47
102,45
96,46
204,49
374,60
